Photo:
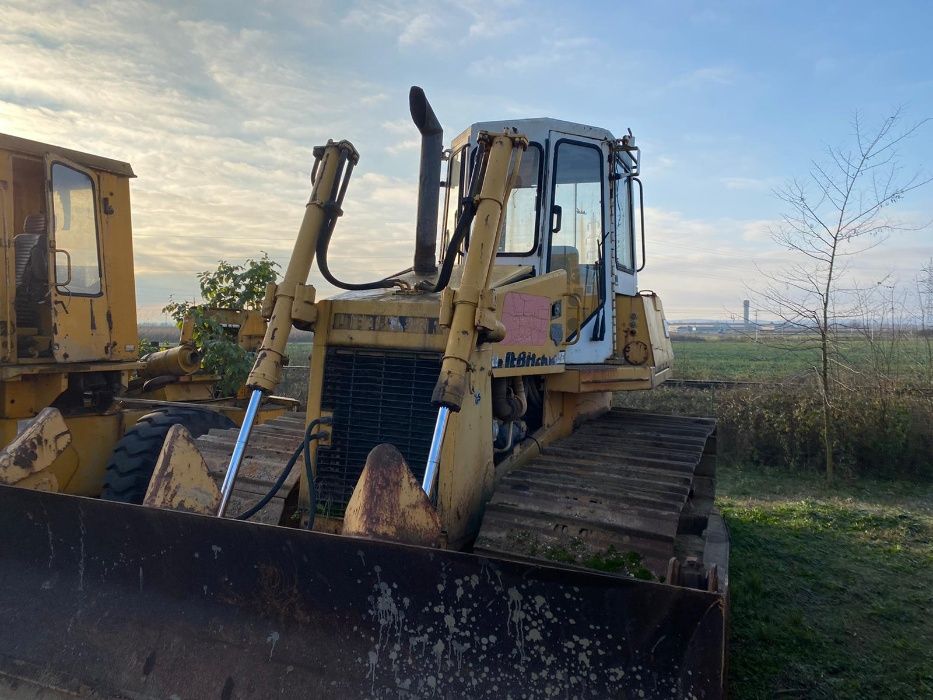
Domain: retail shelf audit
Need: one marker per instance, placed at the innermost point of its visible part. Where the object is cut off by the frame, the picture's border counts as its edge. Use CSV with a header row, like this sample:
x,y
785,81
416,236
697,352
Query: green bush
x,y
238,287
879,432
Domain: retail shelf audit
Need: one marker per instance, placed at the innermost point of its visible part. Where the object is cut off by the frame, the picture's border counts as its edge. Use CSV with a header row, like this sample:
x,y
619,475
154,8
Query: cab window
x,y
74,216
455,176
622,195
577,214
520,228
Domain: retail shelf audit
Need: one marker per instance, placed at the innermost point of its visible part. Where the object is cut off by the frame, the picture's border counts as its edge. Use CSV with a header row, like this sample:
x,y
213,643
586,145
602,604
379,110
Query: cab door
x,y
577,239
80,318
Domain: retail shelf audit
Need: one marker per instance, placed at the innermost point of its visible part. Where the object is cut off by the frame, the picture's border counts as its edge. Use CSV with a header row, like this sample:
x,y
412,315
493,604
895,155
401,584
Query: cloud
x,y
216,120
407,145
759,231
559,51
705,78
218,108
420,29
434,24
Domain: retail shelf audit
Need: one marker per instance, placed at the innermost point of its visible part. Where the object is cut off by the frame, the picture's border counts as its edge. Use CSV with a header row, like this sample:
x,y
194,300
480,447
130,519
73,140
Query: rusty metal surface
x,y
627,481
389,504
35,449
181,480
125,601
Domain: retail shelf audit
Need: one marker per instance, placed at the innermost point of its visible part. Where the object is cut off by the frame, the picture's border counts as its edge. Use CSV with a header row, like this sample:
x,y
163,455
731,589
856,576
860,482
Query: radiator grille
x,y
376,396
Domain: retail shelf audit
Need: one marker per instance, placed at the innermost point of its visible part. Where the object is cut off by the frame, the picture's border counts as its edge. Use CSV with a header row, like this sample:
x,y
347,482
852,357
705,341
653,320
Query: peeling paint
x,y
531,622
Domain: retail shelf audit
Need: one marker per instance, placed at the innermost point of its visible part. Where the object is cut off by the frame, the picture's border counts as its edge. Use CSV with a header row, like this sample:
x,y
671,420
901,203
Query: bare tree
x,y
839,210
925,316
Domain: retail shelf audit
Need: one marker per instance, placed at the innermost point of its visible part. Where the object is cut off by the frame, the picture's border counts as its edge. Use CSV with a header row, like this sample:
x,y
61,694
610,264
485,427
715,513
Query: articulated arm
x,y
329,186
332,167
504,157
467,320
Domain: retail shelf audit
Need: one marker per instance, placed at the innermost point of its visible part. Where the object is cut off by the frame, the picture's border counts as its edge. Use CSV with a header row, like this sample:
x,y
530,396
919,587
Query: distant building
x,y
746,306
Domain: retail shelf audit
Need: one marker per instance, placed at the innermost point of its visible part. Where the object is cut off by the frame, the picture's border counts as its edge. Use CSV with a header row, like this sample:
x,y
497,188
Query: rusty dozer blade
x,y
104,599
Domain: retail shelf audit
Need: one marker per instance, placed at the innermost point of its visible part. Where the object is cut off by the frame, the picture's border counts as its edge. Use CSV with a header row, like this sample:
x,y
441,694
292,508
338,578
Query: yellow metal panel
x,y
184,391
384,321
117,259
252,330
641,336
400,341
93,440
26,395
661,348
466,473
580,379
7,262
16,144
535,338
8,429
80,324
315,388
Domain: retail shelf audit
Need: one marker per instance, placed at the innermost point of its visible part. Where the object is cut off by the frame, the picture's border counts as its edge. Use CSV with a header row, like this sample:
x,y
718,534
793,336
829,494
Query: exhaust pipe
x,y
429,181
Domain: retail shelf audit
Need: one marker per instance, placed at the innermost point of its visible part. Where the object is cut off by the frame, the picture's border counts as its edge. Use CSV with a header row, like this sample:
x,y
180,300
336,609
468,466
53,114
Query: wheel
x,y
133,460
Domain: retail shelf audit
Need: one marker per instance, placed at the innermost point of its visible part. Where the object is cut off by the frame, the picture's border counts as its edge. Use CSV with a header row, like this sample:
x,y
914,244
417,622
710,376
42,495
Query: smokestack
x,y
429,180
745,308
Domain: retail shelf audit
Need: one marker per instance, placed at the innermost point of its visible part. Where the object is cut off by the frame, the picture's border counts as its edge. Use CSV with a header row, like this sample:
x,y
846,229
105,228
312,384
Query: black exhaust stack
x,y
429,181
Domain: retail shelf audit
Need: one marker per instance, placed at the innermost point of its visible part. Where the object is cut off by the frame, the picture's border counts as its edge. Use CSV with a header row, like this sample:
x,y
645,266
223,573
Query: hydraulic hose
x,y
303,447
462,229
323,243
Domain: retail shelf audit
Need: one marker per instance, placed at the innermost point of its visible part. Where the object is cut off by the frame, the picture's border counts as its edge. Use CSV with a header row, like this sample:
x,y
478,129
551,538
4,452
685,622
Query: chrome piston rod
x,y
434,456
238,450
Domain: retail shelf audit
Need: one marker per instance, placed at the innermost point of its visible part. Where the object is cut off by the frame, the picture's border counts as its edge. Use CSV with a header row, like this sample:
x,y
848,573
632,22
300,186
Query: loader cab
x,y
68,292
571,208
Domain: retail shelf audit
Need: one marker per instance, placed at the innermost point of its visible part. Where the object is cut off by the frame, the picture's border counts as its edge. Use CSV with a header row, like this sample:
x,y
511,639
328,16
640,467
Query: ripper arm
x,y
467,309
292,300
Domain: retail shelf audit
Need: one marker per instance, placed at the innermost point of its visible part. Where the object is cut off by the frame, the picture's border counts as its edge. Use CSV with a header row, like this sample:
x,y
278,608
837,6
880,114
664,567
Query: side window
x,y
520,229
454,193
622,191
77,265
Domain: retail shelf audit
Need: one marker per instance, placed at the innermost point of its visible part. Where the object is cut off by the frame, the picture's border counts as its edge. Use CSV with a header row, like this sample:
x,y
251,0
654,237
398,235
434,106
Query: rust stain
x,y
384,476
388,502
25,455
277,598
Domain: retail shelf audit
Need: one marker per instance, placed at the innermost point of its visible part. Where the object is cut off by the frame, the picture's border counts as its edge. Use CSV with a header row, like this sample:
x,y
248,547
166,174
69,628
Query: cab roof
x,y
536,129
15,144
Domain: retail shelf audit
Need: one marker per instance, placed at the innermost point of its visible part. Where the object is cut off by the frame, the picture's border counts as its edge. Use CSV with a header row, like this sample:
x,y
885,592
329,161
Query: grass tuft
x,y
832,588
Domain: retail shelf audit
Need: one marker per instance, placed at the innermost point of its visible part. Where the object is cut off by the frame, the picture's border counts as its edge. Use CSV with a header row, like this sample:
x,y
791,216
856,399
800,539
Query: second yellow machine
x,y
461,514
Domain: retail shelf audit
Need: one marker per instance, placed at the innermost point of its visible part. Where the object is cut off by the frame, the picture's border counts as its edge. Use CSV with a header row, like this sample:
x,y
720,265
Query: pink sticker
x,y
526,318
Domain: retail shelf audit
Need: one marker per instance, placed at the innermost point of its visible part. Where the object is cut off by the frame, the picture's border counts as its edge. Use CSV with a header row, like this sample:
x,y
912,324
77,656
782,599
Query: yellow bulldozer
x,y
460,512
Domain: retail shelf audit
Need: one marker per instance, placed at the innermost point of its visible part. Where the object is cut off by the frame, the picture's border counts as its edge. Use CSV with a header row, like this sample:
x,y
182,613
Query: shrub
x,y
880,433
238,287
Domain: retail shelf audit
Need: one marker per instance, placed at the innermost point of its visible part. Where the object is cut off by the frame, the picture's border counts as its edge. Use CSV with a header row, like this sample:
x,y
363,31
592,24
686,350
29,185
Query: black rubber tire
x,y
133,460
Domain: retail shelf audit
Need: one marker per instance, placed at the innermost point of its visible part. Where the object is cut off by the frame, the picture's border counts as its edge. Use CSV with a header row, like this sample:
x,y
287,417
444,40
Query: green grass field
x,y
748,360
832,588
767,361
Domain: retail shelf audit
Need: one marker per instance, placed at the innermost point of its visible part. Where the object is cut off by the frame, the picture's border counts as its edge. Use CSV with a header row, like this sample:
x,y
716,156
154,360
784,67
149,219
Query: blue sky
x,y
217,107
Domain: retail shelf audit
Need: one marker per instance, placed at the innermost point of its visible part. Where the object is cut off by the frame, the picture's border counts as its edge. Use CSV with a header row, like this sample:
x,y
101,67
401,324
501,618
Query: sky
x,y
218,106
